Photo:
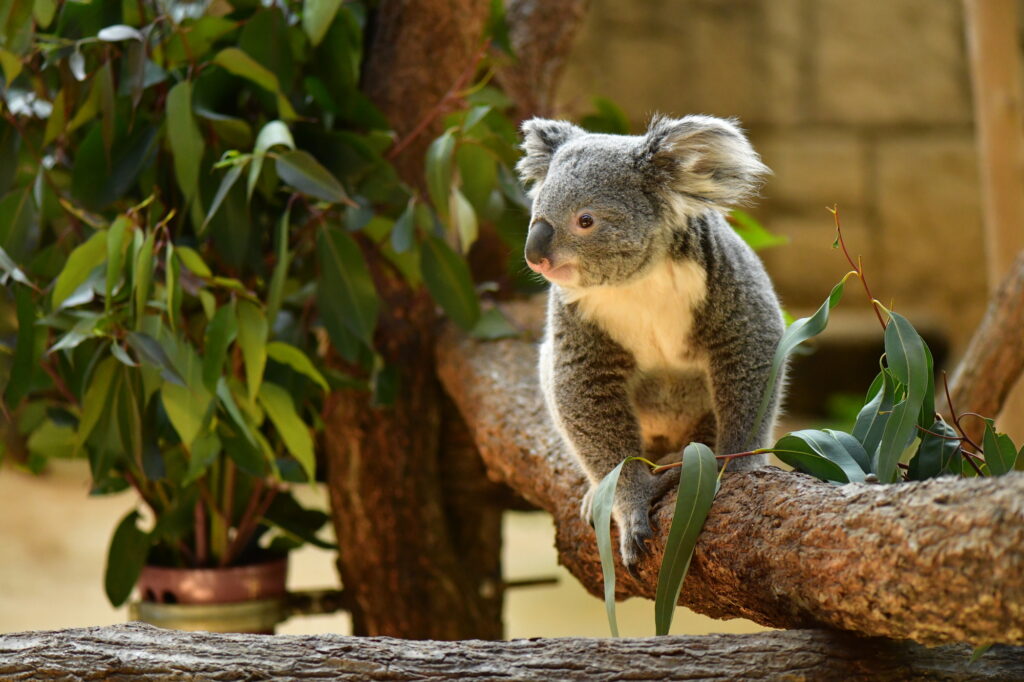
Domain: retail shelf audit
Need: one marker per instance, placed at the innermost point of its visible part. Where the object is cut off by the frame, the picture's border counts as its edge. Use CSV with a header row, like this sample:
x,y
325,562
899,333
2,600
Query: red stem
x,y
857,267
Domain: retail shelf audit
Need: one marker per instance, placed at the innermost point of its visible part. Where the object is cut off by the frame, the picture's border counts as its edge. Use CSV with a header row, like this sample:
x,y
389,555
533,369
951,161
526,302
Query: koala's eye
x,y
586,220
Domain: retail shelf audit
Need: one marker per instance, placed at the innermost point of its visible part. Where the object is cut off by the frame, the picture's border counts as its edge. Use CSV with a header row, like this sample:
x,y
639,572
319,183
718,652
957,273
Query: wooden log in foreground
x,y
140,651
937,561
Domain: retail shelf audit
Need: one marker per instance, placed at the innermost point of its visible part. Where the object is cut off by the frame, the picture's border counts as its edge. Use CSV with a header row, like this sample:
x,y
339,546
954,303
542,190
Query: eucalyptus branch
x,y
858,267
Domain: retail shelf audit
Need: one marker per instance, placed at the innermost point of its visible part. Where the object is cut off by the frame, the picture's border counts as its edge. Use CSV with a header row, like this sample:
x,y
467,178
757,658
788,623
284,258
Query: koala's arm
x,y
741,331
587,389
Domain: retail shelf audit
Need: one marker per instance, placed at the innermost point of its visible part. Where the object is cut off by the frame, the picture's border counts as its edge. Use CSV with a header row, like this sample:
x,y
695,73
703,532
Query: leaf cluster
x,y
194,201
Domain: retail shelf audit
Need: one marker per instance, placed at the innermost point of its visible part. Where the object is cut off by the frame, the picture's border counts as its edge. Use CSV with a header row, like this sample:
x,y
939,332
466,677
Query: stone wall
x,y
861,103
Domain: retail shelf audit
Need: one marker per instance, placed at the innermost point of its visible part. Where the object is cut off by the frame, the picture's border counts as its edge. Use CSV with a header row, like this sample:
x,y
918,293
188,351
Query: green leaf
x,y
118,32
153,354
927,415
1000,452
186,142
115,256
493,325
18,215
287,354
11,65
226,183
474,116
192,260
601,511
753,232
252,337
143,277
291,517
840,448
25,361
300,170
873,416
698,484
402,230
907,358
127,554
97,398
317,16
228,401
220,332
795,334
448,280
439,170
799,454
79,266
294,432
128,413
186,411
934,452
345,290
11,270
202,453
464,218
240,64
278,279
271,135
478,174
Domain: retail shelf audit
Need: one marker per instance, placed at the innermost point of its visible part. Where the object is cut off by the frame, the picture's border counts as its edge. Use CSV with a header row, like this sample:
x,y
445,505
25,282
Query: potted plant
x,y
165,377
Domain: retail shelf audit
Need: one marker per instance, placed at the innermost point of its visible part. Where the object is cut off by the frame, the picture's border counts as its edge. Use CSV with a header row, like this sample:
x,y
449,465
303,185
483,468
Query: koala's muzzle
x,y
538,244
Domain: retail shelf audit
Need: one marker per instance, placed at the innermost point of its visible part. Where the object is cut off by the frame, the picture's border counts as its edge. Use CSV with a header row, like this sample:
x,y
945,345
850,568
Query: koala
x,y
661,322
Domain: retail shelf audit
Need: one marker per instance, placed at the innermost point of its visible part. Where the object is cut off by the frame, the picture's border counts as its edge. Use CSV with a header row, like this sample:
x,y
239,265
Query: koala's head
x,y
605,206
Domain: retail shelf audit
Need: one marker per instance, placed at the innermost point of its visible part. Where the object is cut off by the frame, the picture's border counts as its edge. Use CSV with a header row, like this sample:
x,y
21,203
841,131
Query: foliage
x,y
195,200
898,436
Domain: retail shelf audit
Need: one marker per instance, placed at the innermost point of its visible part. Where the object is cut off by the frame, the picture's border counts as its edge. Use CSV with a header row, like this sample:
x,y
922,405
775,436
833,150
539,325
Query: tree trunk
x,y
403,533
140,651
541,33
936,561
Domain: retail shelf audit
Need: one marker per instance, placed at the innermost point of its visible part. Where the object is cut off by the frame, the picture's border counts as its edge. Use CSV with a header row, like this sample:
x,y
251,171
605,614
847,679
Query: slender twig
x,y
459,84
59,383
858,266
954,416
735,455
937,435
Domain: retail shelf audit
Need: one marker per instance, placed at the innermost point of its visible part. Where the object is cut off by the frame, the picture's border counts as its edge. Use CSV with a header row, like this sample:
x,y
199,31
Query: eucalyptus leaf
x,y
220,332
240,64
317,16
795,334
153,354
293,431
289,355
875,413
906,356
125,558
80,264
464,217
698,485
303,172
252,337
1000,452
345,290
603,502
118,32
938,446
402,230
802,456
448,279
439,170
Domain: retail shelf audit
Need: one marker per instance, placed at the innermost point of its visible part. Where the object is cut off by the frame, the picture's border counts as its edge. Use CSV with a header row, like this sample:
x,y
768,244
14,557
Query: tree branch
x,y
936,561
141,651
995,358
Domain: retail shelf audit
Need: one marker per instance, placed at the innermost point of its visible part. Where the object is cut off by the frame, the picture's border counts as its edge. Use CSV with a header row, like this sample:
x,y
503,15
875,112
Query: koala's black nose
x,y
539,241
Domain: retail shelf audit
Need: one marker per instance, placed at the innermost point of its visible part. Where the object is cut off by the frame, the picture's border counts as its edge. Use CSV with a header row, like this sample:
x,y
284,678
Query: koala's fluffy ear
x,y
541,138
703,158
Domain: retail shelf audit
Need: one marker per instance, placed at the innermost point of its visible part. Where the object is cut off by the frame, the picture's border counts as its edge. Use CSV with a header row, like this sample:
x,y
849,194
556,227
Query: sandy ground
x,y
55,541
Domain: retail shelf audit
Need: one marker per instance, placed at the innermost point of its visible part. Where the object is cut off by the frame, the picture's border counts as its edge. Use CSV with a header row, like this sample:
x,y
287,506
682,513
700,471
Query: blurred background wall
x,y
859,103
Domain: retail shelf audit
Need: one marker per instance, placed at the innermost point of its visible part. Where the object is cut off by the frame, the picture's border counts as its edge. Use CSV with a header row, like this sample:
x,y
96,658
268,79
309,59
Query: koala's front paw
x,y
634,532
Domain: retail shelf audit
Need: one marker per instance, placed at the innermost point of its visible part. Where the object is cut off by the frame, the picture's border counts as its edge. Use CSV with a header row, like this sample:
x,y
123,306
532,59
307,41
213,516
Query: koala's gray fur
x,y
662,322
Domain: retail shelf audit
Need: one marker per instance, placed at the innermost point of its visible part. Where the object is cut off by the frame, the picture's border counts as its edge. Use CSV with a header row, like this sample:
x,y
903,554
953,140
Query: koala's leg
x,y
588,390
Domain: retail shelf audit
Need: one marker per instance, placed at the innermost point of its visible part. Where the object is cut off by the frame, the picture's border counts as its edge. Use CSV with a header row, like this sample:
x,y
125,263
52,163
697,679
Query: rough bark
x,y
401,540
541,33
936,561
419,49
139,651
995,358
402,537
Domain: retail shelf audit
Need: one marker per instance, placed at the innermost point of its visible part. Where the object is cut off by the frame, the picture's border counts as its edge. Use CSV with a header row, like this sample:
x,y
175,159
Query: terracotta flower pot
x,y
234,599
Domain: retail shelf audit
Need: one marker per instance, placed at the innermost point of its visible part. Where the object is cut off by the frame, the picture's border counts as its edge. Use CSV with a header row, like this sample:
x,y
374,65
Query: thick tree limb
x,y
936,561
143,652
541,33
995,358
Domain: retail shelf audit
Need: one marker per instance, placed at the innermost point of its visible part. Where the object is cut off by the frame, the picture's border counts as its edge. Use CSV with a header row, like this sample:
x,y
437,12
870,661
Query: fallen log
x,y
936,561
142,651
